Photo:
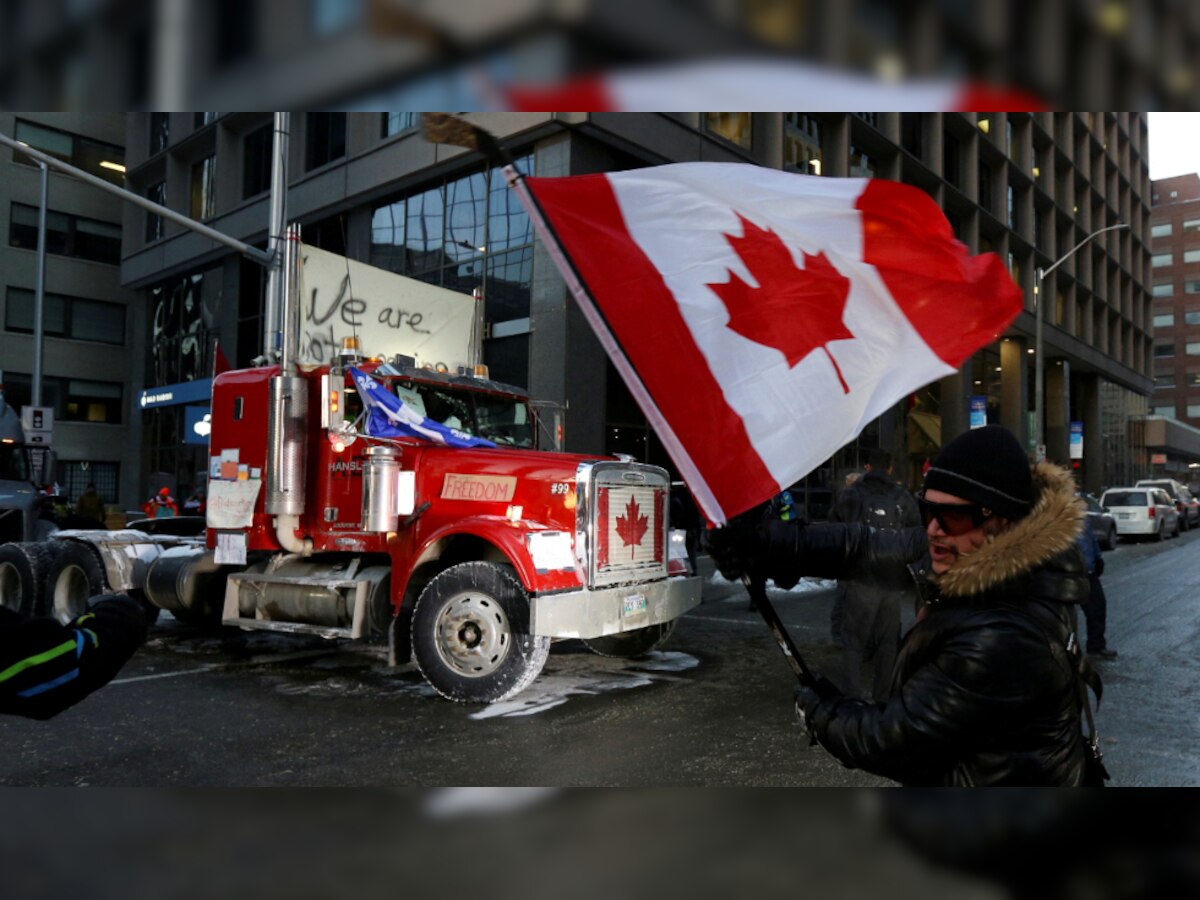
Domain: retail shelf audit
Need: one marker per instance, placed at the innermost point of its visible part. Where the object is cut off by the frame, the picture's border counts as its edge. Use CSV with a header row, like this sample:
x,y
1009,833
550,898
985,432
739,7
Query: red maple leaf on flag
x,y
793,310
631,526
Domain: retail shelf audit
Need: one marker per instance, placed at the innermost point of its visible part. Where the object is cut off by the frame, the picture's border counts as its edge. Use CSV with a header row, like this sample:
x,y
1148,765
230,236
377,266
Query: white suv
x,y
1185,503
1142,511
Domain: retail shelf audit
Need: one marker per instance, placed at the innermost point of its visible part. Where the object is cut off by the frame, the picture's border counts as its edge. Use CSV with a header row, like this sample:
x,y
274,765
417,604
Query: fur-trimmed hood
x,y
1051,528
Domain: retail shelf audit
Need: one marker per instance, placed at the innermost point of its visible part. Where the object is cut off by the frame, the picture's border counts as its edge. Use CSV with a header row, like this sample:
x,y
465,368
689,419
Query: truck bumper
x,y
596,613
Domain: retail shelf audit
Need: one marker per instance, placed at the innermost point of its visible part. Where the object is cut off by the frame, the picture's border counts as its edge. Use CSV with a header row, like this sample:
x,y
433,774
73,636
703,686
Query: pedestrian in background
x,y
1095,610
161,506
90,505
867,616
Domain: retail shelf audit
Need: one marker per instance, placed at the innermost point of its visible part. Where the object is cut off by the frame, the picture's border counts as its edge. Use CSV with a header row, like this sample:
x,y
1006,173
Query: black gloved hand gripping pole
x,y
756,587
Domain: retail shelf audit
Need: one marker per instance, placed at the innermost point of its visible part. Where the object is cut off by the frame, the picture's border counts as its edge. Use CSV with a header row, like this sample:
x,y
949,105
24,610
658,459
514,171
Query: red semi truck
x,y
470,560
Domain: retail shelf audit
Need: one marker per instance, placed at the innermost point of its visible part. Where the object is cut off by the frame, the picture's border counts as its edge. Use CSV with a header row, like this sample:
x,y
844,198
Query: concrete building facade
x,y
1029,187
92,324
1175,288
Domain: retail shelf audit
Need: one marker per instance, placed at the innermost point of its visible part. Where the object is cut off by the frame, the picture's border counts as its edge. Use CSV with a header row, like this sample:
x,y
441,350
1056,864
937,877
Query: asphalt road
x,y
714,707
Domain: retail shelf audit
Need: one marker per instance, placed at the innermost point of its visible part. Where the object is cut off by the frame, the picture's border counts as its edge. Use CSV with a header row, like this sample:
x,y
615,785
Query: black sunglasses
x,y
953,518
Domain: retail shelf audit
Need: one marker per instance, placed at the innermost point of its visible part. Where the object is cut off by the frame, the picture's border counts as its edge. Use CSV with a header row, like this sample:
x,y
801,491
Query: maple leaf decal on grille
x,y
632,526
793,310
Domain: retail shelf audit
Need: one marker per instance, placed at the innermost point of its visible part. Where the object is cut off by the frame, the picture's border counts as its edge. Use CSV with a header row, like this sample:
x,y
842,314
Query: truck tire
x,y
470,634
22,570
632,644
74,575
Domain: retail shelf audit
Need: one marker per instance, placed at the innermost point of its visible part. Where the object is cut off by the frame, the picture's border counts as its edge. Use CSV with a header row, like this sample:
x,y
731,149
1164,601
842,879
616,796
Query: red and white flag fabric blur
x,y
758,85
760,318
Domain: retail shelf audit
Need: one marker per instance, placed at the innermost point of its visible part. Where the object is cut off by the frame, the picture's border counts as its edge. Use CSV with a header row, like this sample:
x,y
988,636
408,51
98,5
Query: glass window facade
x,y
734,127
183,327
1163,290
160,132
466,233
204,188
67,317
72,399
256,161
802,144
97,158
1159,260
324,139
154,224
66,234
1164,320
396,122
1163,230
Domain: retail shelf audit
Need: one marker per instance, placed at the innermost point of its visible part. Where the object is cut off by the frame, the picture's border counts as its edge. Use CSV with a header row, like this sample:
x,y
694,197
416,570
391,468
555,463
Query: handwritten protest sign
x,y
389,313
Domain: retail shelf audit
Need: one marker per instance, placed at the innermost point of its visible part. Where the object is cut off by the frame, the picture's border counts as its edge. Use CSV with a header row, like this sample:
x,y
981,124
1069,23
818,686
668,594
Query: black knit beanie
x,y
986,466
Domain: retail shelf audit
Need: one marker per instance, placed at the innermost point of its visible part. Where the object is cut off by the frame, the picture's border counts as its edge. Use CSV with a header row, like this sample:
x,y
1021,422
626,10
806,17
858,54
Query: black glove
x,y
812,697
737,548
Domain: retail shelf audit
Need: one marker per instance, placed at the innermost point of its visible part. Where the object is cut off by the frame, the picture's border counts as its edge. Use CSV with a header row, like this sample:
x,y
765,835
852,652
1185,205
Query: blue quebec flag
x,y
389,416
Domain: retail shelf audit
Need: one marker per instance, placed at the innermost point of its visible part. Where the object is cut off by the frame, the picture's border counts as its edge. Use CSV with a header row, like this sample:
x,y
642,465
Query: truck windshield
x,y
13,465
502,419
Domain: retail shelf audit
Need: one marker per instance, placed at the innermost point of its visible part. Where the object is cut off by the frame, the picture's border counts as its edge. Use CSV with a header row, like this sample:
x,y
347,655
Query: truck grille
x,y
626,522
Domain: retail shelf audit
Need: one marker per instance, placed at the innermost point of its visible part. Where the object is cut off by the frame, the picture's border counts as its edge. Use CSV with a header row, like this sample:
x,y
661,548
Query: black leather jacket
x,y
980,694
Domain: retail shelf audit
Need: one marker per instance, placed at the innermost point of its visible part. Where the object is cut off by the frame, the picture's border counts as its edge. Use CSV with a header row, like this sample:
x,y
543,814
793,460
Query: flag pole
x,y
756,587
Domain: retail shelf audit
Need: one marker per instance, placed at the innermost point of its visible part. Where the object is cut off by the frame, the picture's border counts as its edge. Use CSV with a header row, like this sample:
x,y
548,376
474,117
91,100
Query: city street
x,y
713,708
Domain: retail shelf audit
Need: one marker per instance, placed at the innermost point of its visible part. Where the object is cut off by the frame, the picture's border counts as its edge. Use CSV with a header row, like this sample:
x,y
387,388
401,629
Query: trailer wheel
x,y
470,634
22,569
74,576
632,644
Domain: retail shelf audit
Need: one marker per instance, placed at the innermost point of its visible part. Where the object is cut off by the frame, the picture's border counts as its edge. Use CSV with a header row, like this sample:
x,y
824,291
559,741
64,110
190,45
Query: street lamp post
x,y
1039,383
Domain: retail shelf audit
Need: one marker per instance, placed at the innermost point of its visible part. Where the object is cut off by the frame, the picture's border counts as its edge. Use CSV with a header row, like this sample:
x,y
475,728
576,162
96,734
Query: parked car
x,y
1185,501
1101,521
1142,511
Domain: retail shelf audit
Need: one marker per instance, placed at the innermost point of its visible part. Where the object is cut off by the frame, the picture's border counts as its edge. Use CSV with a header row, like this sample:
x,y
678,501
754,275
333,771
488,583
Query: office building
x,y
1175,288
92,325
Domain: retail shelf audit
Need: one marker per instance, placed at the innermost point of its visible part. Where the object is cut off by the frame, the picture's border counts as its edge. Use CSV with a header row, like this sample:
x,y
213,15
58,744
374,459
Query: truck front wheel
x,y
631,644
22,568
470,634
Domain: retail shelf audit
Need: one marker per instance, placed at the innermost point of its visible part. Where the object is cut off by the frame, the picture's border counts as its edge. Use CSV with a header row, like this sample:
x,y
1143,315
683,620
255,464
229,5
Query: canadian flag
x,y
762,318
757,85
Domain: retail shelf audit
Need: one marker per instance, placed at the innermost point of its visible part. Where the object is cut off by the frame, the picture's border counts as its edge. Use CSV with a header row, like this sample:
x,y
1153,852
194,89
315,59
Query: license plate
x,y
1124,515
633,605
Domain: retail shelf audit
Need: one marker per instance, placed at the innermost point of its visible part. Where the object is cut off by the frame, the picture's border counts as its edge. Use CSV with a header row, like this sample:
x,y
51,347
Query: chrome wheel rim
x,y
71,592
472,634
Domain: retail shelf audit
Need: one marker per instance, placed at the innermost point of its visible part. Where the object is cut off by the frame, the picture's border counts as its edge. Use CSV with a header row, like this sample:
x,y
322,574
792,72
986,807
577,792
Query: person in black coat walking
x,y
987,686
1095,609
868,616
